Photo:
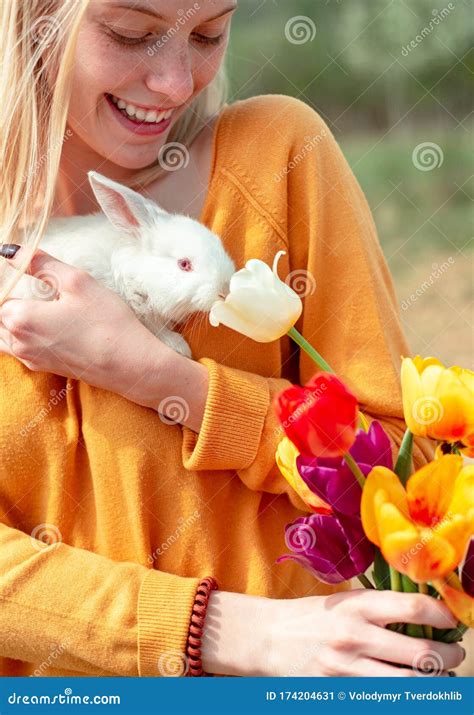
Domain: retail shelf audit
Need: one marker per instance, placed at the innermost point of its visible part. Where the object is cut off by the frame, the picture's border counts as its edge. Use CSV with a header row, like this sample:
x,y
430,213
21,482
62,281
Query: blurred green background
x,y
387,76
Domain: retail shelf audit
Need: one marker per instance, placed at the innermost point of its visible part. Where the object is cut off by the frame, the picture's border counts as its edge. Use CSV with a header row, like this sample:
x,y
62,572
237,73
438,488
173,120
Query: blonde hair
x,y
38,40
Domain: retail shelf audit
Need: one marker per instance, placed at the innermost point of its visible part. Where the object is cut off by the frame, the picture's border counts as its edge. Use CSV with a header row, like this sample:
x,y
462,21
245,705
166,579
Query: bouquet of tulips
x,y
414,528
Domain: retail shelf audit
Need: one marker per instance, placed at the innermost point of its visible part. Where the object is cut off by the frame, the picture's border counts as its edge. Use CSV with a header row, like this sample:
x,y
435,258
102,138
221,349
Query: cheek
x,y
206,66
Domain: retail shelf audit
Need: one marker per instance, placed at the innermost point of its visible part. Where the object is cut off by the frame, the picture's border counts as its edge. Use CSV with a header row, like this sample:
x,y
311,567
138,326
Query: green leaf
x,y
381,572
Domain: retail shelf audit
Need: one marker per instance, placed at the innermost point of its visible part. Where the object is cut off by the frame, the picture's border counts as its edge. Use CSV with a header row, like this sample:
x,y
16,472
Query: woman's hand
x,y
339,635
87,333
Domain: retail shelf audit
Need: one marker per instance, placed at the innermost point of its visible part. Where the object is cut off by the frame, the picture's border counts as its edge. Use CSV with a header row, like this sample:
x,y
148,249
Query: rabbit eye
x,y
185,264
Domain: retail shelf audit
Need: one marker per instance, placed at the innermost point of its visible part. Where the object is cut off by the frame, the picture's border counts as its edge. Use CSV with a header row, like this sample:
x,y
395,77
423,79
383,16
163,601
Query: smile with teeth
x,y
139,114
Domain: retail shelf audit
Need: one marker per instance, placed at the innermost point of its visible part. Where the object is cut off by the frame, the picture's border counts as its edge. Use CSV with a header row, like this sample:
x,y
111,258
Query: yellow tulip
x,y
422,531
259,304
438,402
285,456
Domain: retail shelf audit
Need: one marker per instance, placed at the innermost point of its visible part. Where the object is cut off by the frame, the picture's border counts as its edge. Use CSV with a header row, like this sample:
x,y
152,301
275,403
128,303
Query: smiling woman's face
x,y
136,59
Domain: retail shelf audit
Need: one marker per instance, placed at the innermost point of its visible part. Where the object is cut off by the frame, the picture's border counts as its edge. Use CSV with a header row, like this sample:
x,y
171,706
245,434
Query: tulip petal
x,y
467,577
457,530
286,456
463,497
380,478
421,555
430,489
336,486
457,600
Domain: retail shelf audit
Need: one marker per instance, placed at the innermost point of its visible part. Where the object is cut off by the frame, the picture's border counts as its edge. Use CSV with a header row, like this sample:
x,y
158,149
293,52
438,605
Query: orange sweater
x,y
138,510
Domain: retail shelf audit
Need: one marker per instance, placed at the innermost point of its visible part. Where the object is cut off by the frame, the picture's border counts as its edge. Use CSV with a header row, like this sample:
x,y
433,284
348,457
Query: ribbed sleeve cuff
x,y
234,416
165,605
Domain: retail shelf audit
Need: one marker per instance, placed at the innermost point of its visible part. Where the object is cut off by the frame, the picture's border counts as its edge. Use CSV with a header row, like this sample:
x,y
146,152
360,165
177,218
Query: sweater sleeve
x,y
105,617
350,316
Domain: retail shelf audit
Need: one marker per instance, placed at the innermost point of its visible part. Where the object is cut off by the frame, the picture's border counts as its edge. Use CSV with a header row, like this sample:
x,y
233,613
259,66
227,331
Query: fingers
x,y
419,653
384,607
376,669
42,265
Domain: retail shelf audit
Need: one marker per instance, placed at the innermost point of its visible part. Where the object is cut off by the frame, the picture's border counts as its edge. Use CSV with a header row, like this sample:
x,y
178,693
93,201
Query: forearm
x,y
174,385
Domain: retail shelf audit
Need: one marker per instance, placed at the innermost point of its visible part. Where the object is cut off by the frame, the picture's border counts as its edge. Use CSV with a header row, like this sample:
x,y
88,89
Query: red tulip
x,y
319,418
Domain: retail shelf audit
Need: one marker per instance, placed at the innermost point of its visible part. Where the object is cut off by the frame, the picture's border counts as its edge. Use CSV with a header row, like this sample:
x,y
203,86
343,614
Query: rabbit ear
x,y
125,208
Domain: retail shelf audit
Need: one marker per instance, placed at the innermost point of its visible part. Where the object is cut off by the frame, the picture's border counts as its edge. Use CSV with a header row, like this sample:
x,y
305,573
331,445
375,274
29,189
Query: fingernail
x,y
464,651
9,250
452,674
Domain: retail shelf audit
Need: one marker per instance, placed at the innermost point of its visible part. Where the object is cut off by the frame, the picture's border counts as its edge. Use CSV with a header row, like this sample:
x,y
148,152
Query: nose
x,y
171,78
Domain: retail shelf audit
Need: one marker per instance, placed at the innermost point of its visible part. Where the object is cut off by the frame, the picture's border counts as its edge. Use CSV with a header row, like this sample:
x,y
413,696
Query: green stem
x,y
395,580
355,469
365,581
428,630
308,348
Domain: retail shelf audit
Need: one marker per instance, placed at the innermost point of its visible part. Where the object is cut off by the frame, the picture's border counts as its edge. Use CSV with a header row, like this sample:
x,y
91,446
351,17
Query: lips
x,y
140,113
132,122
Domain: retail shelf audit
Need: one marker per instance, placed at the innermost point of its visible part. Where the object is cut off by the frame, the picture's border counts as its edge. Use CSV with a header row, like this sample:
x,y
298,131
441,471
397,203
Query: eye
x,y
184,264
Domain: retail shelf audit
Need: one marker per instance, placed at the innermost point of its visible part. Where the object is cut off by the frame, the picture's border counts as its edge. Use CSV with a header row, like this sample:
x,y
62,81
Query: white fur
x,y
133,248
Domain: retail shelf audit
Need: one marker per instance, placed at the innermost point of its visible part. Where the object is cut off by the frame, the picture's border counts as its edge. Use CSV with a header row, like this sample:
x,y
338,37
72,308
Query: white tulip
x,y
259,304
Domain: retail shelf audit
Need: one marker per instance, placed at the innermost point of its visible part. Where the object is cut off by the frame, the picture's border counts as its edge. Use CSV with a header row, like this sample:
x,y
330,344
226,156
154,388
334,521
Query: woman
x,y
110,512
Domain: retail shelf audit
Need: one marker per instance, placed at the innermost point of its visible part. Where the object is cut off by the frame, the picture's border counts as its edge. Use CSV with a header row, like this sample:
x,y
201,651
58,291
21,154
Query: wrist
x,y
236,637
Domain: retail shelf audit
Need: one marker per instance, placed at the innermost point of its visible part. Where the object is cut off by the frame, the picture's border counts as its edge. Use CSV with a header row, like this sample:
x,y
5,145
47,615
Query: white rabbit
x,y
165,266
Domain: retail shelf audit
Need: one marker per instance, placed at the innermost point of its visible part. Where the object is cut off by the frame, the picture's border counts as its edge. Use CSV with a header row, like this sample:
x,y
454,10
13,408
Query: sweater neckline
x,y
212,171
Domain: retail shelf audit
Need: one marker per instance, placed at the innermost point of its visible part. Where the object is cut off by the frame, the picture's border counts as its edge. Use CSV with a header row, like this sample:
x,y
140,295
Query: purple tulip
x,y
333,548
467,576
332,480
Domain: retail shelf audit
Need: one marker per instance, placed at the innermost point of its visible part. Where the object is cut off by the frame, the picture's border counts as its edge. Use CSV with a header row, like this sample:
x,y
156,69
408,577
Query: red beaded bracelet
x,y
193,648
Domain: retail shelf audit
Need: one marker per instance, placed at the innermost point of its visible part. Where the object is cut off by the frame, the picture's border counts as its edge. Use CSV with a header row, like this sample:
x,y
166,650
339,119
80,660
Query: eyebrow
x,y
147,11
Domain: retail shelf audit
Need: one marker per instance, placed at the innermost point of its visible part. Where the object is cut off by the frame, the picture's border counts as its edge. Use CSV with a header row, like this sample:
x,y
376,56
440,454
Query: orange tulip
x,y
457,600
422,531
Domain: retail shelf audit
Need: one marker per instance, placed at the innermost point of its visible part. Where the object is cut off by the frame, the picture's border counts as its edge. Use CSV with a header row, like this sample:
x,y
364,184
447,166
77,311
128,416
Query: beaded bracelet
x,y
193,648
